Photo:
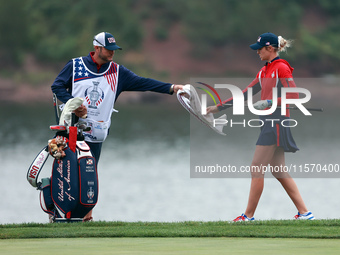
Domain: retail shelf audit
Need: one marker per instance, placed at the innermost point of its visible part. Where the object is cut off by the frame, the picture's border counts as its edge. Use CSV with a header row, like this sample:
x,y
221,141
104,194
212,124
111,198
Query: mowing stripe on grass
x,y
268,229
178,246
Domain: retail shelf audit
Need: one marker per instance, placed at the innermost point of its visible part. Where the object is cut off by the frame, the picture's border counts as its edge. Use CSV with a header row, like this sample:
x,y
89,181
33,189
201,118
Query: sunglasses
x,y
98,42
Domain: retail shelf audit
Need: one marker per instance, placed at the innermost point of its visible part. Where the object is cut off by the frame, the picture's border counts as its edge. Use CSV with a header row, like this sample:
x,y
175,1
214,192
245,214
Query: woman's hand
x,y
212,109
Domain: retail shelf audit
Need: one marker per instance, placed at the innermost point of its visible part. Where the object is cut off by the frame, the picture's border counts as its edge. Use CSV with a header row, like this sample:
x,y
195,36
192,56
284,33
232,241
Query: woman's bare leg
x,y
262,156
287,181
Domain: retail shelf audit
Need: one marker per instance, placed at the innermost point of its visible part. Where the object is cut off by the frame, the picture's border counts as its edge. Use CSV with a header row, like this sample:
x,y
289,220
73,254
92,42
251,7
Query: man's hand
x,y
262,104
177,88
81,112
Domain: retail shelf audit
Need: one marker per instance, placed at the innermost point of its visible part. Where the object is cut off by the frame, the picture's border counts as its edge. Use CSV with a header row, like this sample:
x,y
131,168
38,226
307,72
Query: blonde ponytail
x,y
284,44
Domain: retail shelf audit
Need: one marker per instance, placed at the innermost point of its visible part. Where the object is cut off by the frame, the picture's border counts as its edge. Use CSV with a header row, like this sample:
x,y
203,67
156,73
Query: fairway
x,y
144,246
260,237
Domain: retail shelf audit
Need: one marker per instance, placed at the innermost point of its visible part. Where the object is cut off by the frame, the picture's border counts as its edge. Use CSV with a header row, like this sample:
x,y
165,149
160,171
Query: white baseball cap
x,y
105,40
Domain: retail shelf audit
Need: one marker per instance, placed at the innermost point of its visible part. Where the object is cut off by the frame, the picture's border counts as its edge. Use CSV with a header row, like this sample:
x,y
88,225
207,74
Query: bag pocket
x,y
88,180
99,130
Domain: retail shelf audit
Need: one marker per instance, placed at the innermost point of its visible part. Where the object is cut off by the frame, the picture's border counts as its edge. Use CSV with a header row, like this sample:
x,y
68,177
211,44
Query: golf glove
x,y
262,104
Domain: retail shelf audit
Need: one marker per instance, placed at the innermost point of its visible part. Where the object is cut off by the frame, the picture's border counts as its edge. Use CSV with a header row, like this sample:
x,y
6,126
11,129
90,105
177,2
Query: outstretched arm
x,y
129,81
229,102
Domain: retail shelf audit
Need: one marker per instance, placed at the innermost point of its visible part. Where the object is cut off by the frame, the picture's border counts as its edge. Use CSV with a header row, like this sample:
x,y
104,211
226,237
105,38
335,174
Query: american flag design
x,y
94,93
81,73
111,76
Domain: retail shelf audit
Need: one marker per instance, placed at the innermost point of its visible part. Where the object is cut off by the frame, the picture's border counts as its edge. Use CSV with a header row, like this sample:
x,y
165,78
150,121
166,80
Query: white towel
x,y
69,107
189,99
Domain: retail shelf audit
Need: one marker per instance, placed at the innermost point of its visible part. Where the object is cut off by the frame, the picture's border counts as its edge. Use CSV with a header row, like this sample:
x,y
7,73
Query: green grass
x,y
178,246
260,229
144,238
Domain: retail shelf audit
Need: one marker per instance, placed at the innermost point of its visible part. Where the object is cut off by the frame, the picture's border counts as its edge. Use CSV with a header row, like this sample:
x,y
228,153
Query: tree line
x,y
57,30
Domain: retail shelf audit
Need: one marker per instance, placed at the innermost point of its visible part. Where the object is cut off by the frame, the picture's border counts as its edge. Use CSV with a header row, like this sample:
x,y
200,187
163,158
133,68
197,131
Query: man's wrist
x,y
172,88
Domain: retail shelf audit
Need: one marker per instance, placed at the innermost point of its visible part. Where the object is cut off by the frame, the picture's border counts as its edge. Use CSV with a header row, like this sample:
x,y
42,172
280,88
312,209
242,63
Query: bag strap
x,y
36,166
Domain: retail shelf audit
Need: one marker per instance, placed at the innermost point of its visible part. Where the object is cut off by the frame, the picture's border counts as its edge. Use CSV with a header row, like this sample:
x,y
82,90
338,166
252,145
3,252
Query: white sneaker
x,y
306,216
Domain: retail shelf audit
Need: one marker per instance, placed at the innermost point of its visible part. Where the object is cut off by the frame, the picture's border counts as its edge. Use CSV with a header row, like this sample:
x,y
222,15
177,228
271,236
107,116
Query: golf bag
x,y
72,189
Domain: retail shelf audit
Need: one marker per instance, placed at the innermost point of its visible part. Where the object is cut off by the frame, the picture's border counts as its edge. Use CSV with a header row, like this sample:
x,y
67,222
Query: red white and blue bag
x,y
72,189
